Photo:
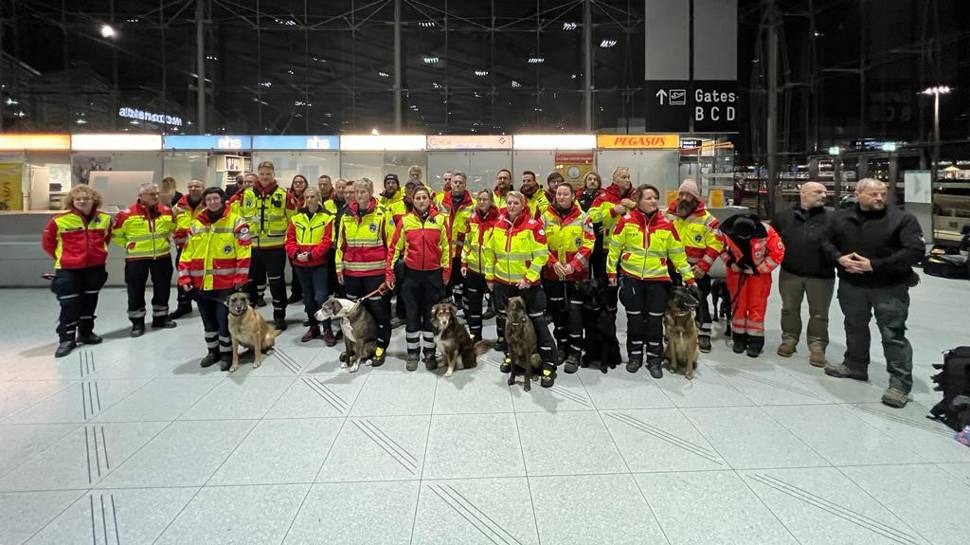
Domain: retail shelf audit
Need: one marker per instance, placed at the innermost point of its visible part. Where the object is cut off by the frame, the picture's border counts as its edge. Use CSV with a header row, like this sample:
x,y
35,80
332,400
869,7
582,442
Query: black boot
x,y
164,322
64,348
548,379
634,364
137,329
279,319
756,344
225,361
89,337
210,359
430,360
704,343
740,342
654,367
181,310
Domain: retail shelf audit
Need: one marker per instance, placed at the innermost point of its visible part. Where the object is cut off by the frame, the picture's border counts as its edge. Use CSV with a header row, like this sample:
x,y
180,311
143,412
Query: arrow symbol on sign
x,y
661,94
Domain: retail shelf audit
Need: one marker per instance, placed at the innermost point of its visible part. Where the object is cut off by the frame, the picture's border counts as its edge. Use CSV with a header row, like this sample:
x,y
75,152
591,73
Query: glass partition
x,y
375,164
310,164
186,165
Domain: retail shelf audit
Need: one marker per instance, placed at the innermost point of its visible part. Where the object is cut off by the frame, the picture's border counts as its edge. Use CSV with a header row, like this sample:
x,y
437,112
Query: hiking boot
x,y
654,367
412,362
180,311
164,323
740,343
225,361
756,345
379,357
787,348
506,366
560,357
328,338
841,370
816,356
571,364
89,338
894,398
137,331
313,332
548,379
704,343
210,359
633,365
430,361
64,348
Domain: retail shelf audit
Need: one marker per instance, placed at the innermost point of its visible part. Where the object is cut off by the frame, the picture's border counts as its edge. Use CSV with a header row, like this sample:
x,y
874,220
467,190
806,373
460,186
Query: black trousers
x,y
400,272
136,276
456,282
474,293
181,296
266,265
333,284
421,291
215,318
77,292
378,305
566,308
645,302
535,305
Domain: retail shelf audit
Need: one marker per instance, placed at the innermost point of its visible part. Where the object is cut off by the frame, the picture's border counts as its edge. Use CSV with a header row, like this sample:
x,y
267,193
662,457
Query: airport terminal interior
x,y
738,146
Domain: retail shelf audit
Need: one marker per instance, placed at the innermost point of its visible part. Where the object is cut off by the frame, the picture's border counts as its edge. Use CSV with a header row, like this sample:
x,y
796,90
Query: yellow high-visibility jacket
x,y
515,250
144,234
643,245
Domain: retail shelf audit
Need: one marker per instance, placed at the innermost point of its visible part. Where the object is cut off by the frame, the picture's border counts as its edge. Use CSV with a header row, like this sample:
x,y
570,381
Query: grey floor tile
x,y
161,400
593,509
16,396
959,470
621,390
396,394
568,443
479,511
821,506
925,497
660,440
22,441
239,397
568,394
183,454
473,445
746,437
236,515
707,389
769,384
482,389
82,458
80,401
836,433
22,514
280,451
377,448
356,514
318,396
710,507
910,428
112,517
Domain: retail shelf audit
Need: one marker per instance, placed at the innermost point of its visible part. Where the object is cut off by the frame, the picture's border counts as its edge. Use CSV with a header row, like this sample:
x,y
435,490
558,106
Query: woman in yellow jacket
x,y
643,242
515,253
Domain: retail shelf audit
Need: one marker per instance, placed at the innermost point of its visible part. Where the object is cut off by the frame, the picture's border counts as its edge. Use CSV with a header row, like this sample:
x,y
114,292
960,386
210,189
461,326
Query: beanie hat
x,y
392,176
690,187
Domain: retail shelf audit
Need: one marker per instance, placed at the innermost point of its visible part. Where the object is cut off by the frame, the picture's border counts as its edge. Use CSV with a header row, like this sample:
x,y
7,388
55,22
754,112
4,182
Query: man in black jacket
x,y
806,270
876,247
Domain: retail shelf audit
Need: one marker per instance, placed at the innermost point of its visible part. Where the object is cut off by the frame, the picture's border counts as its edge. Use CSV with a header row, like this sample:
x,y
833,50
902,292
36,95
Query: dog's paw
x,y
256,364
449,372
355,367
233,368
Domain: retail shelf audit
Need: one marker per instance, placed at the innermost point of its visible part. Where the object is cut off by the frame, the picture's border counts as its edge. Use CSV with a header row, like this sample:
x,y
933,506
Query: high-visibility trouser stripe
x,y
211,339
68,297
363,265
159,310
225,344
136,313
428,340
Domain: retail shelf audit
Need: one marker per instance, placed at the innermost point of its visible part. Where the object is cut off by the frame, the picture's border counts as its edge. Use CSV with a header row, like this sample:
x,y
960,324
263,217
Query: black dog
x,y
601,348
722,303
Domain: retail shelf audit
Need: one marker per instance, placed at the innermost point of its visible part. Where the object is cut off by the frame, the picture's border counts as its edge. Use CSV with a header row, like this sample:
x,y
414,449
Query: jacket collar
x,y
568,215
491,215
263,191
698,212
613,191
355,207
204,216
447,201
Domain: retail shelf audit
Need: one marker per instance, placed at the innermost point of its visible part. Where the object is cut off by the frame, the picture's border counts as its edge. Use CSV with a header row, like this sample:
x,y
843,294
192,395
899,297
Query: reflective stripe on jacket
x,y
267,211
473,252
422,242
515,250
457,218
309,233
700,233
217,254
643,246
364,236
141,235
184,216
77,242
570,240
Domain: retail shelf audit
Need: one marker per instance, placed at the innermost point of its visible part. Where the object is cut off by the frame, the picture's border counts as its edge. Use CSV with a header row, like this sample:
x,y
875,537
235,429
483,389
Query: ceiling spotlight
x,y
107,31
515,84
383,74
80,121
436,85
607,43
937,90
431,60
569,26
266,84
481,73
426,24
132,20
536,60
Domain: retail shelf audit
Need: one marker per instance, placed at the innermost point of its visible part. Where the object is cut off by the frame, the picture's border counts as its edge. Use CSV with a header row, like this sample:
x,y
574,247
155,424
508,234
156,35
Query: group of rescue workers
x,y
422,246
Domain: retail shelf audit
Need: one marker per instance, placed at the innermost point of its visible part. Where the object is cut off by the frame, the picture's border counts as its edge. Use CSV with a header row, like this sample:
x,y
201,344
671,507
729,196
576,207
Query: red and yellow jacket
x,y
144,234
515,250
537,203
700,233
363,240
423,242
457,218
473,251
217,254
767,250
643,246
184,216
570,240
75,241
602,209
309,233
294,201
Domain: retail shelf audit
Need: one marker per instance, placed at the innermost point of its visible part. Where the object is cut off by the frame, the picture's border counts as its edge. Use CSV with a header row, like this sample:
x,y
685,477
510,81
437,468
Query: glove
x,y
694,290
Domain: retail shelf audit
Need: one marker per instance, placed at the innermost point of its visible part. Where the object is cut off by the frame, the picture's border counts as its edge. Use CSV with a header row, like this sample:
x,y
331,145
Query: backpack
x,y
954,381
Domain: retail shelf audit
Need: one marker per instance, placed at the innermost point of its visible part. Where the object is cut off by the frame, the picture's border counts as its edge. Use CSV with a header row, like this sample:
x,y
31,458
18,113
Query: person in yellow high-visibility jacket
x,y
186,210
642,244
515,253
145,231
457,205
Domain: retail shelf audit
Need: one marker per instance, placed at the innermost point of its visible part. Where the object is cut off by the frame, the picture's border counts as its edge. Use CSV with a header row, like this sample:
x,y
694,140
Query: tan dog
x,y
521,336
248,328
453,340
681,332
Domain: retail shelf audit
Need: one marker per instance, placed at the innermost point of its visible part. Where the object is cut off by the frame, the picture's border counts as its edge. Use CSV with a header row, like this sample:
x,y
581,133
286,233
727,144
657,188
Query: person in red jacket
x,y
473,260
752,249
309,238
295,197
77,240
422,238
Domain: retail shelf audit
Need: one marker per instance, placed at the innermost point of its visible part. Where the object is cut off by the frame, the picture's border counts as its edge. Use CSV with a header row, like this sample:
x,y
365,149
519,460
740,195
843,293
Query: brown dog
x,y
248,328
359,329
681,331
453,340
521,336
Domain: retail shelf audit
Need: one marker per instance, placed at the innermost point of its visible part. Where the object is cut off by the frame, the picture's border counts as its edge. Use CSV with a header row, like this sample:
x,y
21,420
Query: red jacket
x,y
569,236
767,250
293,201
309,234
423,243
75,241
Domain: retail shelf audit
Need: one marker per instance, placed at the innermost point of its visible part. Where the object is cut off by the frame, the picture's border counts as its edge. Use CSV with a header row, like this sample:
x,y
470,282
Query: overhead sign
x,y
116,142
637,141
714,106
384,142
668,106
151,117
554,141
303,142
45,142
216,142
469,141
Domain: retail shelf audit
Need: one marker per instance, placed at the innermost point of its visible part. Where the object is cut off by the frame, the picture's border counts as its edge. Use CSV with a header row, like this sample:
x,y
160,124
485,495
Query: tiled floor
x,y
130,442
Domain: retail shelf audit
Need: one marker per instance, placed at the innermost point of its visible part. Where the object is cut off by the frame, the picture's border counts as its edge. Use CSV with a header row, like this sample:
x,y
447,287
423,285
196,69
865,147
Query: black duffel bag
x,y
954,381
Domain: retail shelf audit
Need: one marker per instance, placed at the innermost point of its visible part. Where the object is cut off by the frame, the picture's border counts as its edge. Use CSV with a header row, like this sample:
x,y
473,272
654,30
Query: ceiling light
x,y
937,90
515,84
132,20
431,60
211,58
383,74
375,132
81,122
266,84
481,73
426,24
10,102
569,26
436,85
817,34
607,43
285,22
536,60
107,31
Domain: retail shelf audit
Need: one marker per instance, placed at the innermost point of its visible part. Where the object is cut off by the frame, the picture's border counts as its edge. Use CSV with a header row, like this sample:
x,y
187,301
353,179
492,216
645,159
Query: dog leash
x,y
380,290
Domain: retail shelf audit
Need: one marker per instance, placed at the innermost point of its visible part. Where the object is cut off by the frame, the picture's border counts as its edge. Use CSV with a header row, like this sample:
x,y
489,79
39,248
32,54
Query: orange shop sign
x,y
638,141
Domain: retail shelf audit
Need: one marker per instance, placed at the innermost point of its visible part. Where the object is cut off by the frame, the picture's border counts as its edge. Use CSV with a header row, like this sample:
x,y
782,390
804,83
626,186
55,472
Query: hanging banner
x,y
574,166
11,188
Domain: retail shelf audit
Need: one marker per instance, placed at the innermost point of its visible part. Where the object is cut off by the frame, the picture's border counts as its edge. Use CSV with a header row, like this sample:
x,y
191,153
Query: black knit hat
x,y
392,176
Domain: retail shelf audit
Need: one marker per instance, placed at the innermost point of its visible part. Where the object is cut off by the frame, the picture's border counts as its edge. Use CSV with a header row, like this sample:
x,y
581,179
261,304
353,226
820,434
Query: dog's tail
x,y
271,336
482,347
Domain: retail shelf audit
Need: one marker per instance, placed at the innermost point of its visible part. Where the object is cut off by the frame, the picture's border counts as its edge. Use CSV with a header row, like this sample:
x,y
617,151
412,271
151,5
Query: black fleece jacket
x,y
891,239
803,232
